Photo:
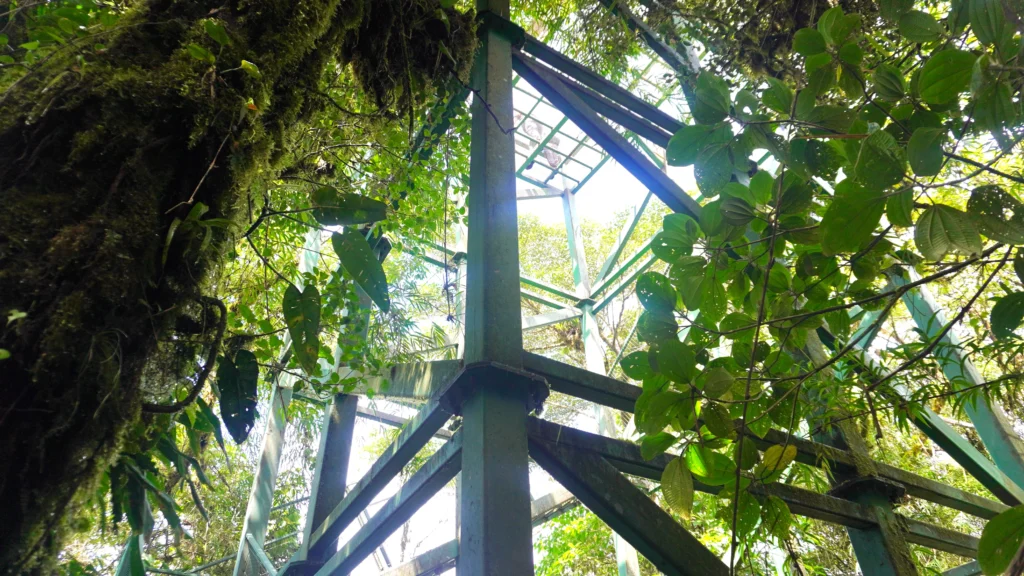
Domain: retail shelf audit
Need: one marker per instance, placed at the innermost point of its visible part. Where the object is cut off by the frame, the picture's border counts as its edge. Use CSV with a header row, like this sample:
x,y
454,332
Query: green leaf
x,y
776,517
808,42
250,69
656,293
712,103
717,381
676,239
828,21
236,382
1000,540
881,162
709,467
716,418
997,214
214,422
737,211
778,97
851,218
713,300
900,208
362,265
4,354
762,187
942,229
677,487
851,54
688,142
749,456
925,150
200,53
3,40
1018,264
130,563
775,460
891,10
216,31
713,169
302,316
654,445
988,21
889,83
333,208
738,321
676,361
748,512
636,365
1007,315
655,328
945,75
918,26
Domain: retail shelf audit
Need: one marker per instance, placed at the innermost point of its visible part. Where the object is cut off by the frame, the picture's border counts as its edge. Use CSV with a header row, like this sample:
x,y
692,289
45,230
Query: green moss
x,y
95,164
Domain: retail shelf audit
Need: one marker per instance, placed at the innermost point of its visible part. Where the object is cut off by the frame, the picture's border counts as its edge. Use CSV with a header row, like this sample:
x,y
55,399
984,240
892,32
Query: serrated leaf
x,y
997,214
362,265
945,75
1007,315
918,26
942,229
1000,540
851,218
677,487
925,150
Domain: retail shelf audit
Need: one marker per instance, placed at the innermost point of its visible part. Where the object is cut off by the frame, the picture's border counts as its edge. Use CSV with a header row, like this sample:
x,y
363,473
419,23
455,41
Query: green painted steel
x,y
611,277
555,290
627,282
624,237
936,429
969,569
494,491
1001,441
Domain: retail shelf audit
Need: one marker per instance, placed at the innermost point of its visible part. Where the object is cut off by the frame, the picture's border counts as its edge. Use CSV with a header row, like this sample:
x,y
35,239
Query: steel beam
x,y
619,115
416,380
260,555
552,317
551,86
331,473
408,443
396,421
624,236
626,457
995,430
609,278
935,428
627,282
627,510
431,562
550,289
437,471
969,569
494,496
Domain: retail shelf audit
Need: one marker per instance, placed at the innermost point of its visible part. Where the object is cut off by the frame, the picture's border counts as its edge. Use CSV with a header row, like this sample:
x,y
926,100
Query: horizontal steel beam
x,y
626,457
582,383
437,471
409,442
541,285
540,298
550,505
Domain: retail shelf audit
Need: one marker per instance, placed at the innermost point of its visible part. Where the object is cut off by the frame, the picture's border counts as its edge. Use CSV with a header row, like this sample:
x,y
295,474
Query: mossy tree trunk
x,y
96,161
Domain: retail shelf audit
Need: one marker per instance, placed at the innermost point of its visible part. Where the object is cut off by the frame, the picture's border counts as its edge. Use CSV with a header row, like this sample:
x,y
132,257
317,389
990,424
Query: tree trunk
x,y
97,160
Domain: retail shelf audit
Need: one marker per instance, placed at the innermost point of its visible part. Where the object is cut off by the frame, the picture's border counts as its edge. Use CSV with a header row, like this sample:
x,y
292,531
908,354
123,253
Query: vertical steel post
x,y
594,353
496,533
990,421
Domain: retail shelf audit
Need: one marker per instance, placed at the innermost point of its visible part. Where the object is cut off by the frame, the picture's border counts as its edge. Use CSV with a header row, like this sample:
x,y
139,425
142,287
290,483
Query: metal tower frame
x,y
496,386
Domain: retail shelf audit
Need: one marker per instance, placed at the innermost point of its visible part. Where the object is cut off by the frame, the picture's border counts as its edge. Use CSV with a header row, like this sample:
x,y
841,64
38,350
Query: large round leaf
x,y
889,84
918,26
851,218
712,102
925,151
713,169
689,141
1007,314
945,75
1000,540
808,42
881,161
656,293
